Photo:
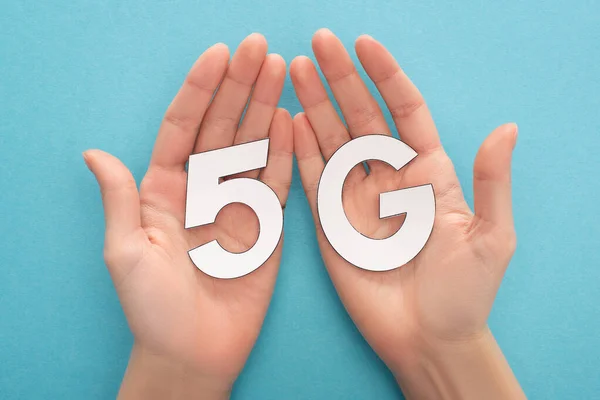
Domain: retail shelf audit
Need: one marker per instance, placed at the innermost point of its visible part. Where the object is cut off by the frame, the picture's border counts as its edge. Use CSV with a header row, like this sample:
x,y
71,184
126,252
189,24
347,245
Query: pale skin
x,y
193,332
426,320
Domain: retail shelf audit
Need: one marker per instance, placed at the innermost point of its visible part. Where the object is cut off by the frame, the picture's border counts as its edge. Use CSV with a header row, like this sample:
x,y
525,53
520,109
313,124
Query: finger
x,y
119,193
309,158
179,128
491,177
263,103
360,110
123,244
223,116
407,107
278,172
330,131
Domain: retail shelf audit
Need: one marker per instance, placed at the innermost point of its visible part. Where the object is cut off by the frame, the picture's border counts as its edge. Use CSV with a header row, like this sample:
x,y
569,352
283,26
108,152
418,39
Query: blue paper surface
x,y
76,75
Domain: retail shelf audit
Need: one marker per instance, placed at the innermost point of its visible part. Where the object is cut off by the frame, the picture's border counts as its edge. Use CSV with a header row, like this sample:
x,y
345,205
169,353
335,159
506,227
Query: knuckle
x,y
337,76
182,122
112,256
221,123
407,108
331,142
504,242
285,185
311,187
490,175
481,175
198,83
386,75
121,254
362,117
280,186
125,185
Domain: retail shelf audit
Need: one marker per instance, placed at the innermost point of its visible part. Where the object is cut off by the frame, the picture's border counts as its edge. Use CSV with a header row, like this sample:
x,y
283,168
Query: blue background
x,y
76,75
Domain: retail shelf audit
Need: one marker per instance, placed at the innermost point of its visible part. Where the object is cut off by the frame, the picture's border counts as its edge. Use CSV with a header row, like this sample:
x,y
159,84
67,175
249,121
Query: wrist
x,y
473,368
153,376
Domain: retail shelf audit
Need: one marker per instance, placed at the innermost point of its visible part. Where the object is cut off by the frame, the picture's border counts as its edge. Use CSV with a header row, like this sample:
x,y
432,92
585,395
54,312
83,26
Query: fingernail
x,y
325,31
86,159
218,45
515,134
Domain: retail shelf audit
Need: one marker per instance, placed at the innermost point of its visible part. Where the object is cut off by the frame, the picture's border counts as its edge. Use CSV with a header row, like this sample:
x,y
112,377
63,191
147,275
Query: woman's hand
x,y
427,319
192,332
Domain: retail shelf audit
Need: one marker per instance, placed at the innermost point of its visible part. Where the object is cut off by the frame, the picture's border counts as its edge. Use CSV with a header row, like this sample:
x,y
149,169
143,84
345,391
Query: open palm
x,y
446,292
174,310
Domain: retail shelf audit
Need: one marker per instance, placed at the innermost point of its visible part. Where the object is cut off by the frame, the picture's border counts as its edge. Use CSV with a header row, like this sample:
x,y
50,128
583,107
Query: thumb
x,y
491,177
121,206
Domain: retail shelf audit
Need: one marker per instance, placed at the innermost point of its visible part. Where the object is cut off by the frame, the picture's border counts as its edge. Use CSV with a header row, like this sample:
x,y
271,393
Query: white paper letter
x,y
417,202
206,197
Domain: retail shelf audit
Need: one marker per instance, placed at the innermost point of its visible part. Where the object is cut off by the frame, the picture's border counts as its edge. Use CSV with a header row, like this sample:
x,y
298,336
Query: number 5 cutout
x,y
206,197
417,202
